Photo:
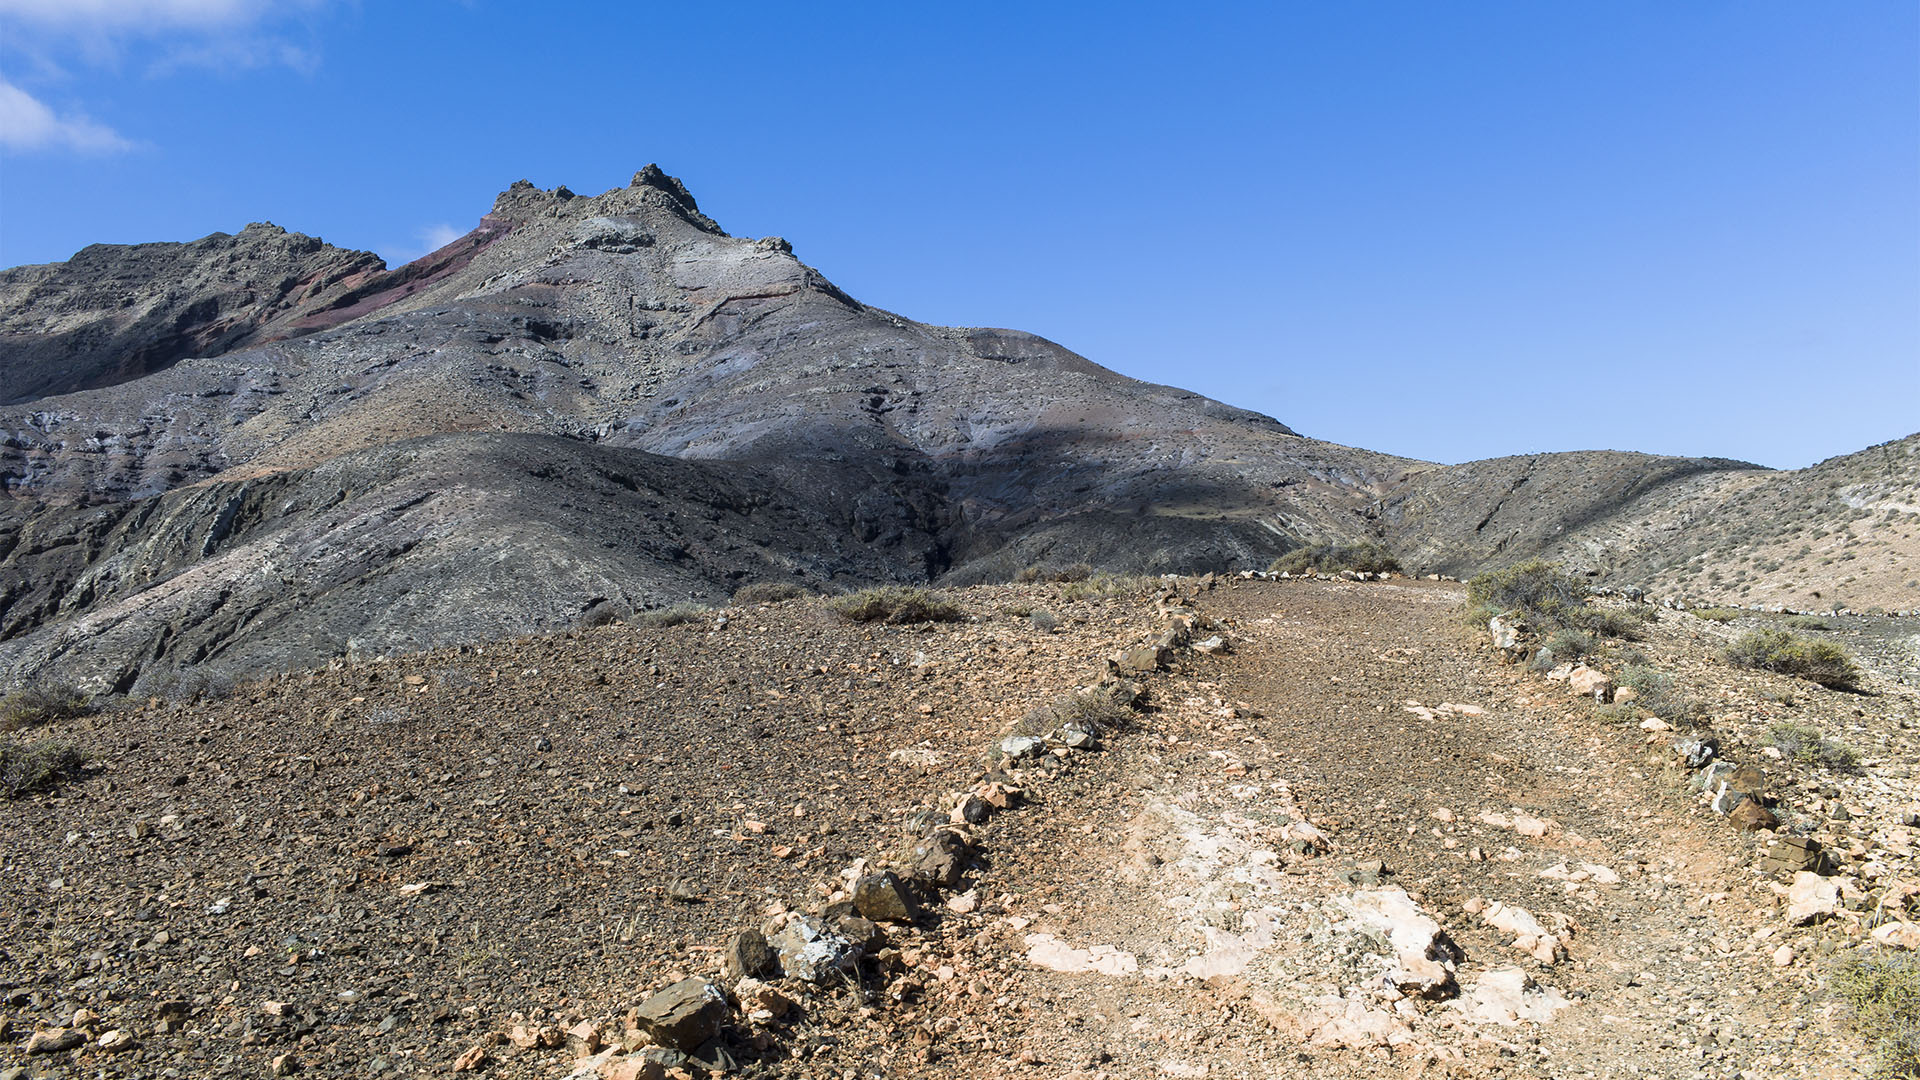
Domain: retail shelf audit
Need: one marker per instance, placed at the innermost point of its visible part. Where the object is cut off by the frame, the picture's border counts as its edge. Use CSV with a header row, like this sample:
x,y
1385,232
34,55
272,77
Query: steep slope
x,y
114,313
569,338
1460,518
1842,533
628,322
434,541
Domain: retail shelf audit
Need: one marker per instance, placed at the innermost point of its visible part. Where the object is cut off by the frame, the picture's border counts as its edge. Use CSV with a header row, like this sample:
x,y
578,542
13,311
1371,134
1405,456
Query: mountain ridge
x,y
568,339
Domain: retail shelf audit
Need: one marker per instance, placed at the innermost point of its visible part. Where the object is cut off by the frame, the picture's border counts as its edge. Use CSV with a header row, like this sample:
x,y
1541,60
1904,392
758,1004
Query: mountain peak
x,y
523,201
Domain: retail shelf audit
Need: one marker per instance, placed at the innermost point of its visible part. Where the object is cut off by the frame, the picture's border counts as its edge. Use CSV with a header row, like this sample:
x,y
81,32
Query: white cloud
x,y
224,34
427,240
27,123
229,55
436,237
145,16
161,36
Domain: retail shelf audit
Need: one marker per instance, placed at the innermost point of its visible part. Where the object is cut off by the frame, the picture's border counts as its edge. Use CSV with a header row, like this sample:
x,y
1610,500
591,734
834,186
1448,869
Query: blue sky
x,y
1448,231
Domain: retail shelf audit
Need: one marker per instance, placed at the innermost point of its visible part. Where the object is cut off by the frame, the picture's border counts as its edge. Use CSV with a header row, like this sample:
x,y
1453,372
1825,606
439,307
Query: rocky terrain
x,y
1844,533
255,452
1337,834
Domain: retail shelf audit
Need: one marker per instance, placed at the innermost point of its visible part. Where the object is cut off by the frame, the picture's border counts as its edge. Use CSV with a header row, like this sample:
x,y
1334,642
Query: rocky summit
x,y
258,451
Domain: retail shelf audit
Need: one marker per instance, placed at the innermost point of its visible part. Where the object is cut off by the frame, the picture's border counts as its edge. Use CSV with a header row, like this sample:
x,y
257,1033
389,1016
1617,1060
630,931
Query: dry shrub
x,y
26,768
1787,653
896,604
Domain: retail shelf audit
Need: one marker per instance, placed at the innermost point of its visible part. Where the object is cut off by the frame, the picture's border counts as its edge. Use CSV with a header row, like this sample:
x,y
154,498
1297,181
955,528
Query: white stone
x,y
1506,997
1352,1024
1047,951
1418,944
1811,896
1529,935
1900,935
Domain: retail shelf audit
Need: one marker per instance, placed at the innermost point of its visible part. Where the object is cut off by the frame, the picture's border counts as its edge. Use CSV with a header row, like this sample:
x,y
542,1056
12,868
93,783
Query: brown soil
x,y
596,813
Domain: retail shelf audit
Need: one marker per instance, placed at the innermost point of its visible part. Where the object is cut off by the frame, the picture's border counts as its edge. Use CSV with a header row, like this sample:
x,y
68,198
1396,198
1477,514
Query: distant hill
x,y
256,451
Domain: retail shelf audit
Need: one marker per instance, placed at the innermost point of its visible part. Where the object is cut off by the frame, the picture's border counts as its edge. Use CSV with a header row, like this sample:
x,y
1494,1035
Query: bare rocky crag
x,y
258,451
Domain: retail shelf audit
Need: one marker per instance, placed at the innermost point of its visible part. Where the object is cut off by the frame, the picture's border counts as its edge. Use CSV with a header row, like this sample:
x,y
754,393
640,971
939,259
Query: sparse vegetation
x,y
1883,990
1716,614
1074,572
1550,601
1627,624
26,768
1807,622
896,604
1539,590
40,705
1654,692
1814,659
1104,585
768,592
1094,710
1809,746
1569,643
1329,558
659,618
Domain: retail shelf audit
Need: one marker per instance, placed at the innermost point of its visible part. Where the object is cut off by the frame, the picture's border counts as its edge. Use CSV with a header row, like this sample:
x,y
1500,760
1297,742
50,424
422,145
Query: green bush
x,y
1809,746
1716,614
1882,988
1782,651
1539,590
896,604
768,592
1548,599
659,618
40,705
40,766
1807,622
1328,558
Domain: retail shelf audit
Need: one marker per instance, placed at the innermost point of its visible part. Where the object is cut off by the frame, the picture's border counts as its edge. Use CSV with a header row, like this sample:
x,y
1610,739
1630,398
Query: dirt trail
x,y
1353,844
1369,712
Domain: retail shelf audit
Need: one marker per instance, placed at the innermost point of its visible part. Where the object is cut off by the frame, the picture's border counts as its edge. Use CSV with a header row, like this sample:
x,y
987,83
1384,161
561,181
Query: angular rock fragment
x,y
1422,953
1811,897
811,951
883,897
942,858
684,1015
749,955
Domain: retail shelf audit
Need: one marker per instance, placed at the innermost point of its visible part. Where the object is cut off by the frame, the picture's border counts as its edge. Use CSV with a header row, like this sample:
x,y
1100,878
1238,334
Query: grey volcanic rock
x,y
1457,519
429,457
259,451
113,312
117,312
433,541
